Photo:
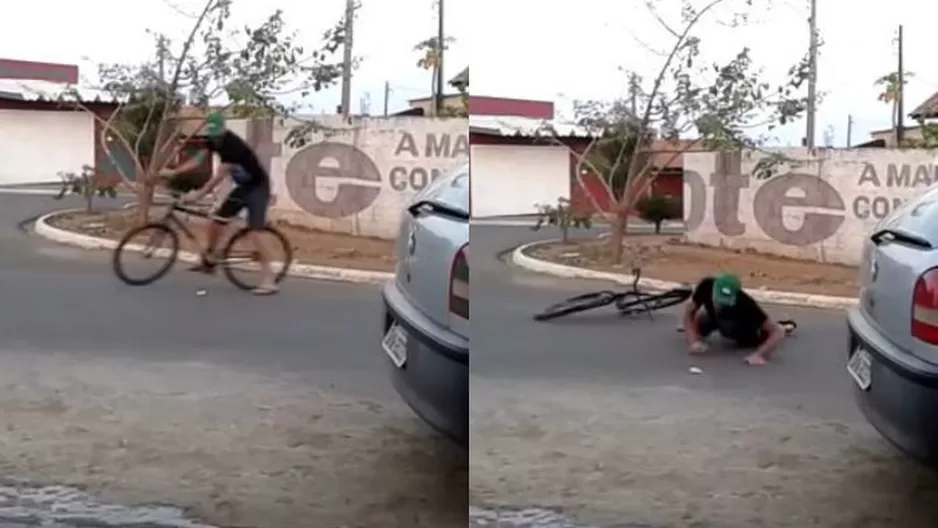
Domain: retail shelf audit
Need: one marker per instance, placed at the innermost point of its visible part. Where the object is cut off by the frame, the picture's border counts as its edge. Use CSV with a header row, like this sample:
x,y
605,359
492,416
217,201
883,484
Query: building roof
x,y
461,79
50,91
927,110
38,71
507,126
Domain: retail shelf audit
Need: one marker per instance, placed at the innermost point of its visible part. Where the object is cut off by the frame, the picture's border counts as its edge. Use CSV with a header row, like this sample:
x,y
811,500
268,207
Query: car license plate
x,y
859,368
395,345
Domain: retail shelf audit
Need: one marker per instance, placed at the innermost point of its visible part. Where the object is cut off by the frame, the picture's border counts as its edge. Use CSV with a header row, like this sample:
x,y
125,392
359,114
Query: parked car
x,y
893,332
426,321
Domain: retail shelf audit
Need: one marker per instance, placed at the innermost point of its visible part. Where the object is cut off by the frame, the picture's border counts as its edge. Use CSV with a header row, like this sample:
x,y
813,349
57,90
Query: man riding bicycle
x,y
251,191
730,311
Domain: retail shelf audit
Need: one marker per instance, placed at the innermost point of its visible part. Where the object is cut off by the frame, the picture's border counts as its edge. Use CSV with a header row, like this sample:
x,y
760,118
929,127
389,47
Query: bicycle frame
x,y
172,220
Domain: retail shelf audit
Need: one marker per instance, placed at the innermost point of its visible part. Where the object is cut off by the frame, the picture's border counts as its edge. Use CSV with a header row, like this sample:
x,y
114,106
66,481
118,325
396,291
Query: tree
x,y
242,72
687,105
430,58
891,92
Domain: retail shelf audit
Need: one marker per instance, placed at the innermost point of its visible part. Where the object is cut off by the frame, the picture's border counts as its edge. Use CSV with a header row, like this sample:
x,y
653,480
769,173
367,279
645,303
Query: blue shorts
x,y
255,199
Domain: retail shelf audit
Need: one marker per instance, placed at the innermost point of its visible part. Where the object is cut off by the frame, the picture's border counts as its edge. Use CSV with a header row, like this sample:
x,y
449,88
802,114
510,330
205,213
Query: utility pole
x,y
387,95
347,59
441,43
812,76
849,130
900,96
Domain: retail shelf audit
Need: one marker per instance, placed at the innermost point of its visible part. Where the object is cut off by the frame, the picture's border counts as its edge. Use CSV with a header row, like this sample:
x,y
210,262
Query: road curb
x,y
520,259
44,229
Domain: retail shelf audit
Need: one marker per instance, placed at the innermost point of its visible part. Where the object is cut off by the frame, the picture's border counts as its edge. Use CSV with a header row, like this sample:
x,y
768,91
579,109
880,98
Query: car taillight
x,y
459,284
925,307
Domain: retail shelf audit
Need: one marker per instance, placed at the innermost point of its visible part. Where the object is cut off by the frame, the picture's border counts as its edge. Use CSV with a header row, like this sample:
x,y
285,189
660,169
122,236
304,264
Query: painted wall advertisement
x,y
818,207
356,177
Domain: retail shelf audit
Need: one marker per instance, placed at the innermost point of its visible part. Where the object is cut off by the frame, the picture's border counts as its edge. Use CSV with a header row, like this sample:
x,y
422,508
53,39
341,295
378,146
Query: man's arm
x,y
221,172
775,334
190,164
690,325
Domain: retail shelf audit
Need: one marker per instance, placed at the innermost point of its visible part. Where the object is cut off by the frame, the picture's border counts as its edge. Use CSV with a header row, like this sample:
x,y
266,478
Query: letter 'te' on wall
x,y
772,198
333,160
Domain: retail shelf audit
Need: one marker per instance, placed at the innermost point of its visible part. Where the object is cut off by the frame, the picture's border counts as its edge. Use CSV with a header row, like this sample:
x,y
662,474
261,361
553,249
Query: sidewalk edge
x,y
520,259
309,271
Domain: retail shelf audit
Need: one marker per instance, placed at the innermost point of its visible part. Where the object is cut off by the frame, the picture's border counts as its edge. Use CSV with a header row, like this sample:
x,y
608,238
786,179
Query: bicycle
x,y
643,302
162,230
630,302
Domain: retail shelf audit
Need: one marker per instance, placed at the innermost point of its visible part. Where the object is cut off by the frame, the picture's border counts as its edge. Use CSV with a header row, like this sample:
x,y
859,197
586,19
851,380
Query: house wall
x,y
355,177
821,208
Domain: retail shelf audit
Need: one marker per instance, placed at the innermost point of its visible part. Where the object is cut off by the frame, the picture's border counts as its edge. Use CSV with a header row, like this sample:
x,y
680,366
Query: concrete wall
x,y
821,208
355,177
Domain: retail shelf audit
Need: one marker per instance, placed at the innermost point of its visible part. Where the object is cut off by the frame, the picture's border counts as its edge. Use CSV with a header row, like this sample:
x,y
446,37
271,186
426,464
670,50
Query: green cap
x,y
215,124
726,288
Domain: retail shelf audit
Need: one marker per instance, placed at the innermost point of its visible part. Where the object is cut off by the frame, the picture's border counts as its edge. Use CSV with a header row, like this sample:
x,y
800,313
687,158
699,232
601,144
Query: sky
x,y
536,49
114,31
577,50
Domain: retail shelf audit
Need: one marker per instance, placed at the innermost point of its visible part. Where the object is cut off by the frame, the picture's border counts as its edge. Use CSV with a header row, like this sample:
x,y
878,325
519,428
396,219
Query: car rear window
x,y
450,189
918,216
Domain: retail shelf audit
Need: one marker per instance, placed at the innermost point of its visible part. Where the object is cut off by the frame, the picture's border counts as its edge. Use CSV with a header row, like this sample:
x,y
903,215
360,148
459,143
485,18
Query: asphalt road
x,y
598,417
240,410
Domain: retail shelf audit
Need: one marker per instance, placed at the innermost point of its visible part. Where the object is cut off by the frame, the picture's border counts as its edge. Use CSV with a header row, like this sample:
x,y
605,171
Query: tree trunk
x,y
618,232
658,227
145,197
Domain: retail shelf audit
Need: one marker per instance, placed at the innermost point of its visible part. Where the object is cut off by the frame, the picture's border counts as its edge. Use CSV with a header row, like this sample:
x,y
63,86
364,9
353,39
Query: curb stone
x,y
520,259
308,271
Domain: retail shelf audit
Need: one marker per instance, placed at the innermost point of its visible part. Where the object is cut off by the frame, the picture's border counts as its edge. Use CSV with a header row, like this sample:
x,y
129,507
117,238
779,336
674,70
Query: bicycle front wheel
x,y
242,259
145,253
580,303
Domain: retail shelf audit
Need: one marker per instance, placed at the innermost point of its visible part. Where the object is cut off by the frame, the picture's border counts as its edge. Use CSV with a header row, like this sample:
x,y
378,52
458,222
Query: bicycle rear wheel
x,y
647,302
146,244
242,261
580,303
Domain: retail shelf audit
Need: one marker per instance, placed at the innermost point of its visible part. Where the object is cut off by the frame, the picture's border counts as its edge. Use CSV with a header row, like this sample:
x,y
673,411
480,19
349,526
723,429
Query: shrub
x,y
563,216
657,209
87,185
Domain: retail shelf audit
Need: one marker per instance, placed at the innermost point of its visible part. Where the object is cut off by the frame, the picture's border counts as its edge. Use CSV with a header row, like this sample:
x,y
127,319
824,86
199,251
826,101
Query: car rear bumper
x,y
434,381
902,399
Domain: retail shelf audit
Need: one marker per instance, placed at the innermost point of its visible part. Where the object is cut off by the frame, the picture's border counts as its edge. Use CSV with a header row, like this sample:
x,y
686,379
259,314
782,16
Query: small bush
x,y
657,209
563,216
87,185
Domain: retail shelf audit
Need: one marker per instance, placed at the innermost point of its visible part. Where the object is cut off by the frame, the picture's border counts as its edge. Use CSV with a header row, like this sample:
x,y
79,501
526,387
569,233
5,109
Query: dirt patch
x,y
233,448
669,258
310,246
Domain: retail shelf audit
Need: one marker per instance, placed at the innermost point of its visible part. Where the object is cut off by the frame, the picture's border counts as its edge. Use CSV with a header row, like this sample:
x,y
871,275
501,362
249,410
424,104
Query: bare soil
x,y
670,258
310,246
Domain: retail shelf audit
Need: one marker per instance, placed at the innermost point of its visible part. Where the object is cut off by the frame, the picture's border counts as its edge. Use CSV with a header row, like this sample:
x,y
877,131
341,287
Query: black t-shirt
x,y
235,151
744,319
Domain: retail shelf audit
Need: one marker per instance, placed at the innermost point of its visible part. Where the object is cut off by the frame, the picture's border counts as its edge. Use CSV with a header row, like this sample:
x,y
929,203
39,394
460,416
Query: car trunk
x,y
432,234
899,251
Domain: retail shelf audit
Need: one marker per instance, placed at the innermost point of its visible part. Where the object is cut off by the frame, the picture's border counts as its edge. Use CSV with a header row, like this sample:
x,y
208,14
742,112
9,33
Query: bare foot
x,y
755,360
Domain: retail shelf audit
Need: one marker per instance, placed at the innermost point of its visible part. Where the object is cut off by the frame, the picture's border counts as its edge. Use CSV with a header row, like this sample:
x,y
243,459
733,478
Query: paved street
x,y
266,412
600,418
